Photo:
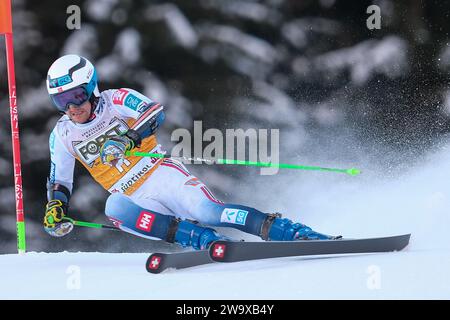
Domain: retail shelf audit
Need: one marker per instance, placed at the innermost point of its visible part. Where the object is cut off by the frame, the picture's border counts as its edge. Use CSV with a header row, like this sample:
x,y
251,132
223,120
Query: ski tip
x,y
406,238
398,242
154,263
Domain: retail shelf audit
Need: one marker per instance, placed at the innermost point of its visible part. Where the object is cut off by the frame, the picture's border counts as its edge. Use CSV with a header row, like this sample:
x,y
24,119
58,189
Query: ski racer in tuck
x,y
155,198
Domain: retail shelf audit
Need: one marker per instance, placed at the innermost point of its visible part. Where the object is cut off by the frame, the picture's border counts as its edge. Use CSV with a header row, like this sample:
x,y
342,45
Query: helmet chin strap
x,y
94,102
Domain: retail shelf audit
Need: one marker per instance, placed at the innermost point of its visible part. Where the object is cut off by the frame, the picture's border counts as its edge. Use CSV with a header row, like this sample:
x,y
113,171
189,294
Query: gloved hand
x,y
113,150
55,210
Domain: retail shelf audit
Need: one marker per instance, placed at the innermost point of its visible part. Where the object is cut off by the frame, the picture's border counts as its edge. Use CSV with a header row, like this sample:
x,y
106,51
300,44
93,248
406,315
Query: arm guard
x,y
149,121
57,191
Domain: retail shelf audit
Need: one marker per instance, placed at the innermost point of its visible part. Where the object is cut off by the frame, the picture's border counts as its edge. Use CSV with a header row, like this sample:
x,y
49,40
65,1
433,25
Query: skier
x,y
150,197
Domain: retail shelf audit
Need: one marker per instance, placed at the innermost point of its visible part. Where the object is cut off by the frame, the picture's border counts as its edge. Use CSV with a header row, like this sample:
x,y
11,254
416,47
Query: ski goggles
x,y
76,96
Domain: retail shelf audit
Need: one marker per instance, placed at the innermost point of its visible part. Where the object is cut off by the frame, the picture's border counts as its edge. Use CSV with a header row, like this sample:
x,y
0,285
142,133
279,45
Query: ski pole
x,y
351,171
90,224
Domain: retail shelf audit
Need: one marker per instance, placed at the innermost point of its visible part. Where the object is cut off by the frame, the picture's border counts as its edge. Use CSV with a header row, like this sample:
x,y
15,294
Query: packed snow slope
x,y
417,202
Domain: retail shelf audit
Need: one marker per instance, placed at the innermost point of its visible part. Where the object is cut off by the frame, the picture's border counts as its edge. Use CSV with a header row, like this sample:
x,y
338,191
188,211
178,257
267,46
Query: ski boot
x,y
277,229
189,233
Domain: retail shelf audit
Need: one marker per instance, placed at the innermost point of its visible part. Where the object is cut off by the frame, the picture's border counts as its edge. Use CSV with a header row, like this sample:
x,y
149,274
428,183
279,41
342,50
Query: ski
x,y
158,262
233,251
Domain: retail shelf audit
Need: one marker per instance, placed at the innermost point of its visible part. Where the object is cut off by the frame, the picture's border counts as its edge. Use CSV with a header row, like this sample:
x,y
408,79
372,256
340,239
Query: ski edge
x,y
219,252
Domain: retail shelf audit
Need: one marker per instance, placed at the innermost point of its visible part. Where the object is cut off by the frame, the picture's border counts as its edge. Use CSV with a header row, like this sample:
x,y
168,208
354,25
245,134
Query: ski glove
x,y
54,213
113,150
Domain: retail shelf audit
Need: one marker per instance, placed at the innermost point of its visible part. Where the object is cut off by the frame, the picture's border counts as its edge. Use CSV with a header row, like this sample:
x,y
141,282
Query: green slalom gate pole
x,y
351,171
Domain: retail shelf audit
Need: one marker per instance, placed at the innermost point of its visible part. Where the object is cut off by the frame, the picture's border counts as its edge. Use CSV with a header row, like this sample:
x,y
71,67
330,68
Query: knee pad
x,y
116,204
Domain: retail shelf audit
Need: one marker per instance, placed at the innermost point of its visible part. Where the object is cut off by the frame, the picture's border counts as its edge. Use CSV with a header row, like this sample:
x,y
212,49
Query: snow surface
x,y
416,202
401,275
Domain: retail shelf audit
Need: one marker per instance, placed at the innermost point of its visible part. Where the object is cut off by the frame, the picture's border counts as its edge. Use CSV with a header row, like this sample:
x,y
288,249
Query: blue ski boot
x,y
192,234
277,229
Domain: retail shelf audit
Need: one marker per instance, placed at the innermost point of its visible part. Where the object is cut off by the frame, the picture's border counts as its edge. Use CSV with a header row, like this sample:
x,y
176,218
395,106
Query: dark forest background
x,y
311,69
